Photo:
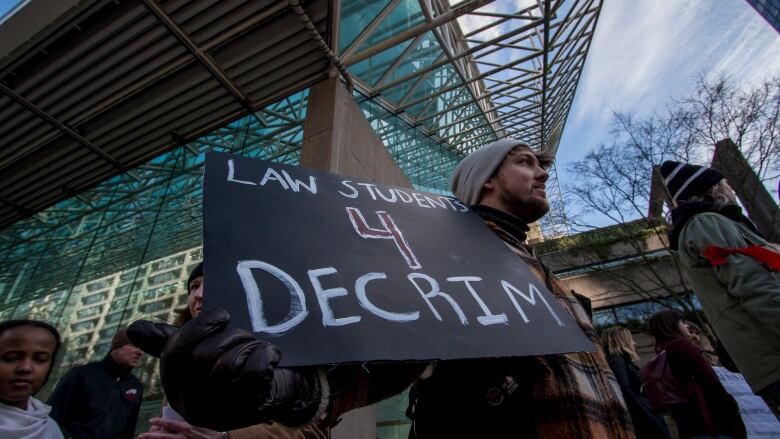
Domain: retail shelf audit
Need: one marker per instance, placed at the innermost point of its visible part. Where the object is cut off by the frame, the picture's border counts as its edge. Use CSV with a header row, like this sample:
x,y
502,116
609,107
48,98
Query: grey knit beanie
x,y
476,168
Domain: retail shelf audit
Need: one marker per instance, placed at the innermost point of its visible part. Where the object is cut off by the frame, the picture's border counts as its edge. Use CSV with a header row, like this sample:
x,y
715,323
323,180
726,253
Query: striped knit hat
x,y
685,180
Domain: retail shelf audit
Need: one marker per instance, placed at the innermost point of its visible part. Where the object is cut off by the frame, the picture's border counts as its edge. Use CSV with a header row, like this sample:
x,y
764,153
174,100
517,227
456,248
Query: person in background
x,y
733,270
27,352
162,428
101,400
703,343
710,411
620,349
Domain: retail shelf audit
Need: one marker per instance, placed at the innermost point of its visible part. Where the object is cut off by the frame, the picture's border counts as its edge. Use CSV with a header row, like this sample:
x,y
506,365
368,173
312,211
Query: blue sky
x,y
6,5
645,52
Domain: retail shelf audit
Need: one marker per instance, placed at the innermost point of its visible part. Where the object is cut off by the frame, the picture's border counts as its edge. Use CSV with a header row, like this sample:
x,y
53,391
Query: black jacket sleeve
x,y
649,423
63,398
618,365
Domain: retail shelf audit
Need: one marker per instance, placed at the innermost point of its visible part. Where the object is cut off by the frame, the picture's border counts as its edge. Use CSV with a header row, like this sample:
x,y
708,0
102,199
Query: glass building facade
x,y
123,251
769,9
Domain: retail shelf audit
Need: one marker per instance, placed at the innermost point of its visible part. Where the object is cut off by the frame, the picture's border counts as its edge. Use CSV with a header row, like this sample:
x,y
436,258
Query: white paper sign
x,y
759,420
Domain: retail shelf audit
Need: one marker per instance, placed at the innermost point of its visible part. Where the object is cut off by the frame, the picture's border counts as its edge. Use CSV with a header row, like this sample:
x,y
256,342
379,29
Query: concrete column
x,y
535,233
338,138
659,195
760,206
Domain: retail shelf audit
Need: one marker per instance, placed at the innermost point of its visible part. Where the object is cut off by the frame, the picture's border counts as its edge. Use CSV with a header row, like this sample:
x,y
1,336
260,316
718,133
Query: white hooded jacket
x,y
33,423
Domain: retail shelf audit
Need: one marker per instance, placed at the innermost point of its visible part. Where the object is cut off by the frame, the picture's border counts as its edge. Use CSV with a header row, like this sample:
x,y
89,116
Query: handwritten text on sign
x,y
339,270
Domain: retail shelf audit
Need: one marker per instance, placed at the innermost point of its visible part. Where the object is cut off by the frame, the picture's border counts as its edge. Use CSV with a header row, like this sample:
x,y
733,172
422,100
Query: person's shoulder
x,y
83,367
75,372
709,220
135,380
95,367
92,365
681,345
706,228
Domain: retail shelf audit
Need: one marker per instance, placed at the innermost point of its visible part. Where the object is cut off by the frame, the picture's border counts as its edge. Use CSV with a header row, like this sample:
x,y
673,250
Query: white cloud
x,y
470,22
646,51
751,53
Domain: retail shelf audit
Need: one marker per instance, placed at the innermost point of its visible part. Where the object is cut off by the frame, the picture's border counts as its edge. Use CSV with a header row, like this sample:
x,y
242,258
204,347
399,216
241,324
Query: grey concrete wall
x,y
626,278
338,138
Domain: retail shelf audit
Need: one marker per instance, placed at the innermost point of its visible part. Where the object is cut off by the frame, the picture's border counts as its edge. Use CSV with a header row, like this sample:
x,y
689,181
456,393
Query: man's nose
x,y
542,175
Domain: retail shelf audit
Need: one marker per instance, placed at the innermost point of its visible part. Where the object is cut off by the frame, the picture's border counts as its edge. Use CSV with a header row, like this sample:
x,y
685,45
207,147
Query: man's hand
x,y
170,429
223,378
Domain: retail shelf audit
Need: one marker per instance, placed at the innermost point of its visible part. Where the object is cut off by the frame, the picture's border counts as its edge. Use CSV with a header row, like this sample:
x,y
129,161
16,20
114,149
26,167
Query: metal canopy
x,y
508,68
114,84
104,119
121,82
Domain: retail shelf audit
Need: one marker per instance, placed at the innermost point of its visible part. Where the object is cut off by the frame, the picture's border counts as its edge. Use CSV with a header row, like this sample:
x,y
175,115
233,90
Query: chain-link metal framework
x,y
513,72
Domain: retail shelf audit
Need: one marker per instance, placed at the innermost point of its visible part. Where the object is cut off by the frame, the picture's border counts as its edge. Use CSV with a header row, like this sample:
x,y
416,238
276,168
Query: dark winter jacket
x,y
554,396
740,297
710,409
647,424
97,401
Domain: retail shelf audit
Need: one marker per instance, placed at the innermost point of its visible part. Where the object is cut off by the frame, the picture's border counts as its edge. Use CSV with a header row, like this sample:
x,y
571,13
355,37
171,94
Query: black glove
x,y
223,378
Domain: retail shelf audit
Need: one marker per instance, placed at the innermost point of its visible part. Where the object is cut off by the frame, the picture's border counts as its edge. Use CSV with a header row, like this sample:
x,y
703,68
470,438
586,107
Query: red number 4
x,y
390,231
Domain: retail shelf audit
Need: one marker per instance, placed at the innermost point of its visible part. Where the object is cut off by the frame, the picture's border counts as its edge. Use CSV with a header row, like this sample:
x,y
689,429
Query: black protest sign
x,y
332,269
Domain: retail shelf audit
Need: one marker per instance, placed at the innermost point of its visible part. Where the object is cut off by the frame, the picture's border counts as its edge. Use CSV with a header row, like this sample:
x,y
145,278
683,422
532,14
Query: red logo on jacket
x,y
131,395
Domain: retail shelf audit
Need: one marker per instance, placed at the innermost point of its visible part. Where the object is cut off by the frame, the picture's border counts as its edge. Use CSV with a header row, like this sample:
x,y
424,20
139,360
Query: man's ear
x,y
489,185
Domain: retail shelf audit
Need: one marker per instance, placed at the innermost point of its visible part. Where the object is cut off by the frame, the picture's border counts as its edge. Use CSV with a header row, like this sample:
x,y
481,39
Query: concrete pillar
x,y
338,138
534,234
760,206
659,195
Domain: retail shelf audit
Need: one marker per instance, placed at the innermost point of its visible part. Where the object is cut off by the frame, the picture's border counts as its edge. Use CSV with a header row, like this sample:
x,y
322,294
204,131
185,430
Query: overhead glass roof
x,y
435,80
506,68
155,210
462,74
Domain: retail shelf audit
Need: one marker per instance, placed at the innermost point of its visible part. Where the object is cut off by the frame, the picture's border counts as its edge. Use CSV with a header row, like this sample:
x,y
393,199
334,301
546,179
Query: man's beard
x,y
528,209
